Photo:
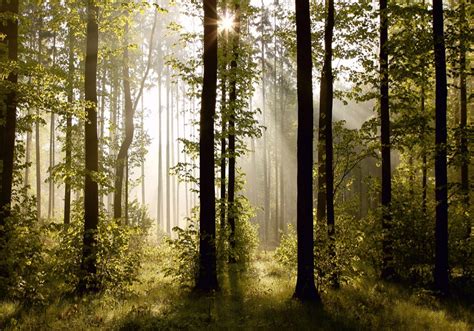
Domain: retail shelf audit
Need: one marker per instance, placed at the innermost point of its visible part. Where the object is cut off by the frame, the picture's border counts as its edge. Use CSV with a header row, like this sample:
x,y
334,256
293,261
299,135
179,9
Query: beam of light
x,y
226,23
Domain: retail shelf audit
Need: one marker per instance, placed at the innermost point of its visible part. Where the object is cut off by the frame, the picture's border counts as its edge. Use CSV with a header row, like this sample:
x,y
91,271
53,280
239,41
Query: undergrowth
x,y
258,296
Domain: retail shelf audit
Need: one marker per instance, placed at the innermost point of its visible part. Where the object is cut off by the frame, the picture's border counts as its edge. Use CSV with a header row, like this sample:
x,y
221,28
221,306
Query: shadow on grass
x,y
242,303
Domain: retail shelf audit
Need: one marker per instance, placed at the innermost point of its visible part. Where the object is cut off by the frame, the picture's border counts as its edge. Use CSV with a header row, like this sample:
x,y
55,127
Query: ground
x,y
256,298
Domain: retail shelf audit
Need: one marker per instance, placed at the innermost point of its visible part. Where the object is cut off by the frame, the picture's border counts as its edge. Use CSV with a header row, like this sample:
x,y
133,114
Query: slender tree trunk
x,y
52,149
207,278
159,203
103,91
224,134
37,134
120,164
168,163
441,271
68,142
88,281
388,271
305,288
130,108
266,182
424,166
232,212
326,107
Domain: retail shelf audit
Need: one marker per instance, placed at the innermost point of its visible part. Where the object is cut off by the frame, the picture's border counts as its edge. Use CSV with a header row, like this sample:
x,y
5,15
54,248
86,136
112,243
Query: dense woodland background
x,y
181,164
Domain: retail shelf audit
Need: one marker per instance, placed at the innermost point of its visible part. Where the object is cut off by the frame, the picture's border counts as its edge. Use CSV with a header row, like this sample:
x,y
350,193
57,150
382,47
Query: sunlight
x,y
226,23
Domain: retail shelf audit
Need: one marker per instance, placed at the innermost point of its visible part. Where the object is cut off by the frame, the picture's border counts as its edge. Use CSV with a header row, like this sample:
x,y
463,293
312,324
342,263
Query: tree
x,y
68,139
121,161
207,277
325,106
441,272
233,108
87,280
8,116
388,271
305,288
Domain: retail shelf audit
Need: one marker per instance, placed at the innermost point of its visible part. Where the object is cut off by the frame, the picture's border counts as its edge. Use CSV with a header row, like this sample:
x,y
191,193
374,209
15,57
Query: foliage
x,y
183,260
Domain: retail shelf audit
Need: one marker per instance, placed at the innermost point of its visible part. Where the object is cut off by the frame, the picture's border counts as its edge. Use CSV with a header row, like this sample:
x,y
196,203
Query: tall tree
x,y
305,288
232,117
9,101
121,163
388,271
441,176
326,105
88,280
207,277
68,140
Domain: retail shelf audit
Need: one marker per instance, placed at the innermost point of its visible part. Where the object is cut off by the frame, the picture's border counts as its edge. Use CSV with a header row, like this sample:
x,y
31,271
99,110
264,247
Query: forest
x,y
236,164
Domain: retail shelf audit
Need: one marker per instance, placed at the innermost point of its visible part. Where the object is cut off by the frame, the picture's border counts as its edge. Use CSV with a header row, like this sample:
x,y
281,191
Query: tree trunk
x,y
8,119
68,141
168,163
305,288
387,271
232,212
223,133
88,281
441,272
326,105
159,202
130,108
37,135
207,278
127,141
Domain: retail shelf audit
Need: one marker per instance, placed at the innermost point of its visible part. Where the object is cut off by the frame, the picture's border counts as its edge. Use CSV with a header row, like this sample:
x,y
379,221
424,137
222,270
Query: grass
x,y
258,298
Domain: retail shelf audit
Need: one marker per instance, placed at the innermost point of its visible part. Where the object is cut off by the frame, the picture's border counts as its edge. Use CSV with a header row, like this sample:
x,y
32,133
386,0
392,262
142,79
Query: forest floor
x,y
258,298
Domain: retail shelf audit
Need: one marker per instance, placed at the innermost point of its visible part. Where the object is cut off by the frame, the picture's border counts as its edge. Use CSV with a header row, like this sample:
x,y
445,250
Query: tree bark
x,y
232,212
305,288
326,107
441,272
207,277
88,281
8,117
387,271
68,141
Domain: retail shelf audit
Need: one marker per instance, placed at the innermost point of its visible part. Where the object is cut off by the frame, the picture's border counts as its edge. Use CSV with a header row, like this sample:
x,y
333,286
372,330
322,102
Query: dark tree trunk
x,y
387,271
232,212
441,177
88,281
326,105
223,138
305,288
8,98
207,278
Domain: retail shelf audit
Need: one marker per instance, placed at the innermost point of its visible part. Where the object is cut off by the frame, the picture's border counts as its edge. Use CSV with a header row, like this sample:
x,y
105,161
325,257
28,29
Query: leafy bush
x,y
183,262
346,264
119,254
22,255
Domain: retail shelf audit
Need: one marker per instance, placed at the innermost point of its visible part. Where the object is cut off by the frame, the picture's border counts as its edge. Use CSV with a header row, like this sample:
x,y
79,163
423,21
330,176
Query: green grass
x,y
259,298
